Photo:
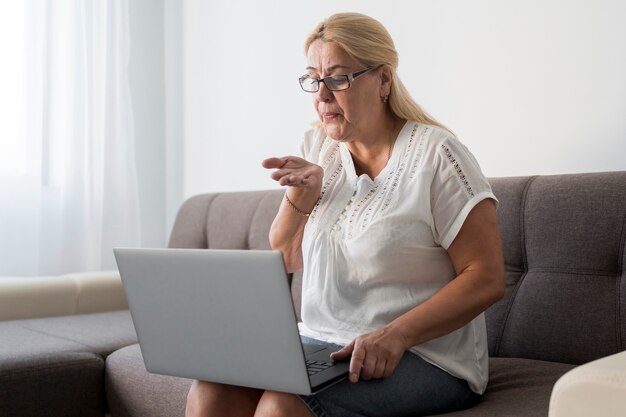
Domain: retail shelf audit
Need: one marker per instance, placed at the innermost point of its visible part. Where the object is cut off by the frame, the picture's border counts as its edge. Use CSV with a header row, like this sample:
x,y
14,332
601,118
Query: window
x,y
12,142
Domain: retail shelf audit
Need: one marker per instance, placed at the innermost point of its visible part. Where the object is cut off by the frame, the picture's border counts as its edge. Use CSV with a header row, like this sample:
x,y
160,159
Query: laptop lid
x,y
218,315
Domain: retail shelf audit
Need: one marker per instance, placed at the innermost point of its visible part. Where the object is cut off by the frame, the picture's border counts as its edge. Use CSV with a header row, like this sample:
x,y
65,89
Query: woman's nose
x,y
323,93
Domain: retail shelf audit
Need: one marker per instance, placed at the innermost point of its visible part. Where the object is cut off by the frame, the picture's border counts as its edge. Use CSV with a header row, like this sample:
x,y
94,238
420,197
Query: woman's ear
x,y
386,77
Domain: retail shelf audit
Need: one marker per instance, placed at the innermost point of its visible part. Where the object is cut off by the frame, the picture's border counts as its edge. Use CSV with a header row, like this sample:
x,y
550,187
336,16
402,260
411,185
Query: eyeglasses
x,y
333,83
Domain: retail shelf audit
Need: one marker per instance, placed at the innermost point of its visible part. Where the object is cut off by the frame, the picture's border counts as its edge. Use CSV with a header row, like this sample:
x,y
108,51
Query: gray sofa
x,y
564,242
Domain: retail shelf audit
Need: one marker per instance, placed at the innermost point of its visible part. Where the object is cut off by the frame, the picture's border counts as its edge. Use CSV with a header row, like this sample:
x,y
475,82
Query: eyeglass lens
x,y
334,83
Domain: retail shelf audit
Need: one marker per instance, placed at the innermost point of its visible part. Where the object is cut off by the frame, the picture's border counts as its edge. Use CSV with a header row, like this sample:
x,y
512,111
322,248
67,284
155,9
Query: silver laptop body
x,y
223,316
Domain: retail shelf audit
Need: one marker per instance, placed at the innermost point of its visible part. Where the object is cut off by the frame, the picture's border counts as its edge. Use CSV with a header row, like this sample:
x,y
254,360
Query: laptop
x,y
223,316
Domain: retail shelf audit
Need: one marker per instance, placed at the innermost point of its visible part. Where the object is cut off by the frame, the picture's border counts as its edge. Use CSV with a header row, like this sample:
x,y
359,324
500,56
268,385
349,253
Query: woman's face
x,y
348,114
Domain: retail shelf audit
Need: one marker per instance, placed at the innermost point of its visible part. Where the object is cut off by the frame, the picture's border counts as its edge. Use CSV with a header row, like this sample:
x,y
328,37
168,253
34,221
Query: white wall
x,y
532,87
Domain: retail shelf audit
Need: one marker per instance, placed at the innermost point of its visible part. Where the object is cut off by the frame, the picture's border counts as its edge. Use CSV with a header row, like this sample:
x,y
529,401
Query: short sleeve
x,y
458,186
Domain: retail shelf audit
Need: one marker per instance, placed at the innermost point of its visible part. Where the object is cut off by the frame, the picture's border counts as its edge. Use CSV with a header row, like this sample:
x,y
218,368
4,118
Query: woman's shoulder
x,y
437,135
440,141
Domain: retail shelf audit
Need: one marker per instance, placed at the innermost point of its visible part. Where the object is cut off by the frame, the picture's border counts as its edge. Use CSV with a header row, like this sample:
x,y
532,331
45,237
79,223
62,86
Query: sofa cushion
x,y
61,385
242,220
239,220
100,333
55,366
46,296
517,387
43,375
30,297
189,229
510,193
133,392
564,243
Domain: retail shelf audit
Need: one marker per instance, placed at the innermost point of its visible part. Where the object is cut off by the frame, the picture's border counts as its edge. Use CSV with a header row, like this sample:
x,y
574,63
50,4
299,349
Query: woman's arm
x,y
476,254
303,180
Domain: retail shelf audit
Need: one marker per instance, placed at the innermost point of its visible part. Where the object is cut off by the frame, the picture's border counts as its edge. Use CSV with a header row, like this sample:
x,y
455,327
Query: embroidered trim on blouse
x,y
420,151
380,191
357,208
401,168
329,181
330,157
458,170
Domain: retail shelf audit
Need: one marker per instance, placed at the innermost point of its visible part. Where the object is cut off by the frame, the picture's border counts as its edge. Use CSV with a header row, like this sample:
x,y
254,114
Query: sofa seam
x,y
252,217
524,203
591,272
619,311
205,230
524,264
182,210
61,338
78,364
246,238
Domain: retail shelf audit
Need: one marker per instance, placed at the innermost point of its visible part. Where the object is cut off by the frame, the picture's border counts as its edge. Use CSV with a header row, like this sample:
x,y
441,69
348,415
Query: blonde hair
x,y
367,40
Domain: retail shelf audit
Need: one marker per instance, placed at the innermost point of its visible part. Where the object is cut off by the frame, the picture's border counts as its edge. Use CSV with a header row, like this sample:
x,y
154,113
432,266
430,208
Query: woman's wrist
x,y
295,209
301,201
401,334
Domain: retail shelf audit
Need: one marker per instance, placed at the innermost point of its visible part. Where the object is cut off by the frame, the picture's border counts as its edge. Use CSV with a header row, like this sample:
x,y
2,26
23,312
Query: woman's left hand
x,y
374,355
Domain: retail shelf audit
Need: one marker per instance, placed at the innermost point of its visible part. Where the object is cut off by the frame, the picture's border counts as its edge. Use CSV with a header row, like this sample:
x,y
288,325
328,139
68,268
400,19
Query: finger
x,y
279,173
284,161
309,178
369,366
270,163
389,368
380,368
356,363
287,173
342,353
282,177
284,180
291,180
295,180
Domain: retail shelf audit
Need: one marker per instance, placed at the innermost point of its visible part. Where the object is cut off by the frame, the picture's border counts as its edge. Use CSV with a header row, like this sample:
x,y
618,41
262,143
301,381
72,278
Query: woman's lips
x,y
330,115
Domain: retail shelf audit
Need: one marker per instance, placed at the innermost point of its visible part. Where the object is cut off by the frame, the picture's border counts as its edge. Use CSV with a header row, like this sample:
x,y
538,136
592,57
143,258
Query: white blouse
x,y
375,249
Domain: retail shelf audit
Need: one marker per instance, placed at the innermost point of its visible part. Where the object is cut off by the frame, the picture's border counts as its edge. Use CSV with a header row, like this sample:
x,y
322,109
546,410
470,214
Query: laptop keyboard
x,y
314,367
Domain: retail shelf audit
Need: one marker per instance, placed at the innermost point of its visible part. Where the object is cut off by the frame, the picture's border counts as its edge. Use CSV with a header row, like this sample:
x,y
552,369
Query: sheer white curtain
x,y
75,196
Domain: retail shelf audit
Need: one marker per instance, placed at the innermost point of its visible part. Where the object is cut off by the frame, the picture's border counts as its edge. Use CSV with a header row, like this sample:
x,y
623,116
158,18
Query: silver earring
x,y
386,98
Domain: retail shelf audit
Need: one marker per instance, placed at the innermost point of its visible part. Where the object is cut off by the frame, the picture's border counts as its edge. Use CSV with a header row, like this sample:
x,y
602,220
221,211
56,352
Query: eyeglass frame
x,y
349,77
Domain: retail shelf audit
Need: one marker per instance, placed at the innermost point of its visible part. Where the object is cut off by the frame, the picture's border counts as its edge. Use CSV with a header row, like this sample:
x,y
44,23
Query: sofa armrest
x,y
76,293
596,389
98,291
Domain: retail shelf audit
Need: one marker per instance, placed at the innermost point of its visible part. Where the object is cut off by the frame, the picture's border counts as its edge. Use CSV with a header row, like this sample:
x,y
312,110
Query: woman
x,y
395,228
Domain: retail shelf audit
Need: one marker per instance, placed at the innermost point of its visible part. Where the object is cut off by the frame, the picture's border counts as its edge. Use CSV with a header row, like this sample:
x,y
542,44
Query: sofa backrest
x,y
564,239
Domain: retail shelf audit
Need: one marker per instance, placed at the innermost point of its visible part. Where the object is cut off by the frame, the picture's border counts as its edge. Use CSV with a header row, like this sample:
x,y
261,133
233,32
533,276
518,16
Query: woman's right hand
x,y
295,172
304,183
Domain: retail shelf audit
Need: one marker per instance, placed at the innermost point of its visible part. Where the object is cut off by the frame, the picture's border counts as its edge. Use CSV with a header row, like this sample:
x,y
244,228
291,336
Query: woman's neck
x,y
371,155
